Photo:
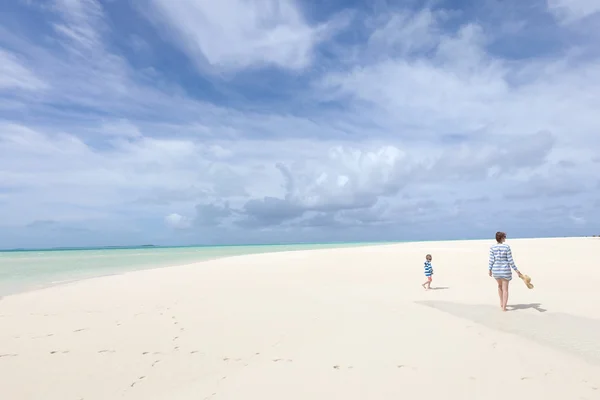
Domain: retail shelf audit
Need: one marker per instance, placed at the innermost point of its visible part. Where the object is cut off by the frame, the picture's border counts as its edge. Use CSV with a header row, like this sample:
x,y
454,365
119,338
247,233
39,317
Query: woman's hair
x,y
500,236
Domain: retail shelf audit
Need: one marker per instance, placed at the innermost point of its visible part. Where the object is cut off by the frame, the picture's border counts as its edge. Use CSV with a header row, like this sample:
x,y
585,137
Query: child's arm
x,y
491,263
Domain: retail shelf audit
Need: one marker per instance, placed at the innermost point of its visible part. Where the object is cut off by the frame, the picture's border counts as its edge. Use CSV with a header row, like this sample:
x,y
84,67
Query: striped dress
x,y
501,261
428,269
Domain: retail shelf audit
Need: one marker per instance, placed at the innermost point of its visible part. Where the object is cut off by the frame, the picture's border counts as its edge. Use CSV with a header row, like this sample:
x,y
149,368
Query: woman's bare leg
x,y
500,292
504,294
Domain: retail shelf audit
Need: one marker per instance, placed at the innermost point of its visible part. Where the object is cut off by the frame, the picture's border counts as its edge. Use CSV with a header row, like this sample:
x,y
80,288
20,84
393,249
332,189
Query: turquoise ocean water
x,y
32,269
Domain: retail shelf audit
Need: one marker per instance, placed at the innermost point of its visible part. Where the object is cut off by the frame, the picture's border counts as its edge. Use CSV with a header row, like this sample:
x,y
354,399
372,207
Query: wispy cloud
x,y
15,75
569,11
250,34
82,21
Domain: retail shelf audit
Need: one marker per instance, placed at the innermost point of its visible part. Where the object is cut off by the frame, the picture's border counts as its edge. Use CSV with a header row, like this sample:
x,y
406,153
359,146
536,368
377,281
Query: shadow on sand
x,y
536,306
567,332
439,288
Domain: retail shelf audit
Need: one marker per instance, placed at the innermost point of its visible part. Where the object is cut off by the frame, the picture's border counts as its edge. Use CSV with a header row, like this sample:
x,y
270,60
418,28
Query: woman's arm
x,y
510,260
492,259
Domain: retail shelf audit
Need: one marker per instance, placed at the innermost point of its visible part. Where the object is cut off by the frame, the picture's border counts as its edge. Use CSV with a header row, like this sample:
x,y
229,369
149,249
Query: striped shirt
x,y
501,261
428,268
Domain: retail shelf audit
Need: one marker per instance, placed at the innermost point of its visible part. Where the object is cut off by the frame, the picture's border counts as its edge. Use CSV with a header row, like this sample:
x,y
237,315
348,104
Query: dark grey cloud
x,y
212,214
566,164
357,202
546,186
42,224
56,227
269,211
465,162
506,155
475,200
321,220
163,197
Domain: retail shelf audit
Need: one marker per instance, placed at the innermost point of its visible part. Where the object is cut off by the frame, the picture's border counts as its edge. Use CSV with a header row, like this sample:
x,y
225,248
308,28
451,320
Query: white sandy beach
x,y
351,323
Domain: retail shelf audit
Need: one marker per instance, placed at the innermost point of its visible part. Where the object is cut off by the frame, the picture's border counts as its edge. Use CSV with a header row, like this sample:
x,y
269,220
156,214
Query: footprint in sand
x,y
138,381
44,336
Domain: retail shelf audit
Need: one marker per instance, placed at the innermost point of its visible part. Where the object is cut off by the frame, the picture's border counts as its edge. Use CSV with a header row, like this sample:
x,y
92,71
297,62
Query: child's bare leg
x,y
504,294
429,284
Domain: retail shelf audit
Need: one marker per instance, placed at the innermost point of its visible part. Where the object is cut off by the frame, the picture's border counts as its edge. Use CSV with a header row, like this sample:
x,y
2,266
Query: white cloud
x,y
82,21
59,170
404,33
429,130
578,220
357,184
177,221
120,128
458,87
139,174
569,11
236,34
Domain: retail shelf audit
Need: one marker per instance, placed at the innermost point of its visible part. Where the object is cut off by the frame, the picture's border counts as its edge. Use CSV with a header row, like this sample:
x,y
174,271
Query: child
x,y
428,272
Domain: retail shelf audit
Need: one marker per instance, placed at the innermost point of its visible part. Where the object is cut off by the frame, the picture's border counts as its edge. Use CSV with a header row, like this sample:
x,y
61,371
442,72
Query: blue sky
x,y
236,121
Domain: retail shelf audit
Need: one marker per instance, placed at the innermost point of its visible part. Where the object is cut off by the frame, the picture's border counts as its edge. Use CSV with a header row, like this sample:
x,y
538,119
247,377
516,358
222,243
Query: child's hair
x,y
428,256
500,236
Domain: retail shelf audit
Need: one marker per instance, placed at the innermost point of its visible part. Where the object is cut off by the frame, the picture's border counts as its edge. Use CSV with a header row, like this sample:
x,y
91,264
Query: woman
x,y
501,262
